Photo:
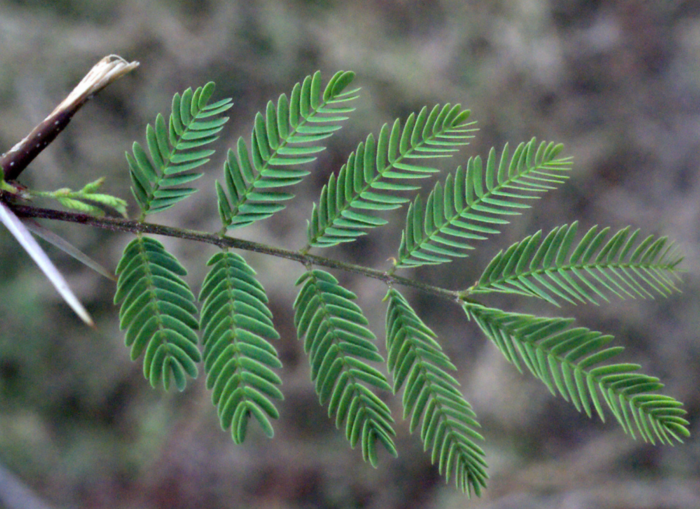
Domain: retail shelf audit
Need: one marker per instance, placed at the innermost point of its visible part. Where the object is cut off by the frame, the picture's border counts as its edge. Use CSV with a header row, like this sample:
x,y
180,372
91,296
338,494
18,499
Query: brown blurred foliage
x,y
617,82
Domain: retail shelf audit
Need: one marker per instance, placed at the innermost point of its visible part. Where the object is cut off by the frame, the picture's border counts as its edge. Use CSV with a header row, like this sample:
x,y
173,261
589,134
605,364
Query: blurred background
x,y
617,82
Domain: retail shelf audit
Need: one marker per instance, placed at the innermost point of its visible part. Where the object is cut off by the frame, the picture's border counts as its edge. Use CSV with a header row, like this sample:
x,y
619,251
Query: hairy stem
x,y
132,226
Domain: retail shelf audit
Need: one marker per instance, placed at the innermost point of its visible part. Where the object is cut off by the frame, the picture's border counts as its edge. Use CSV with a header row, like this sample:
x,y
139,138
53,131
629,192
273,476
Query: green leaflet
x,y
570,361
238,356
556,268
339,344
175,149
475,202
367,181
86,199
158,313
284,138
431,396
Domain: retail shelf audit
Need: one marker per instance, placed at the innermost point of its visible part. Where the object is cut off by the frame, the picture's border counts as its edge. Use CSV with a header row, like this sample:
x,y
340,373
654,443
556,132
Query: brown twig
x,y
107,70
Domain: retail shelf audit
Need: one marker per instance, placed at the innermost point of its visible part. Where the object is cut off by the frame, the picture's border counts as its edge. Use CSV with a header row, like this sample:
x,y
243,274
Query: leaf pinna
x,y
339,345
238,357
361,184
474,203
555,268
431,396
158,312
175,150
569,360
284,138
